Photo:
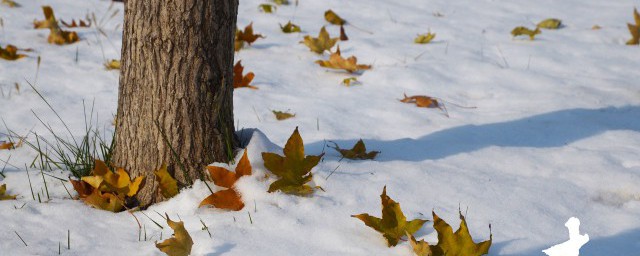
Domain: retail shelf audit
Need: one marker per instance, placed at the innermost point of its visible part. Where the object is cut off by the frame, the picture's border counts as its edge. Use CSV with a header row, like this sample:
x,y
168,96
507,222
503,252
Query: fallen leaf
x,y
104,201
280,115
337,62
83,188
343,35
290,28
119,183
320,44
10,52
459,243
10,3
281,2
634,29
350,81
520,31
267,8
293,169
393,225
6,145
3,195
550,24
167,184
80,23
424,38
420,248
228,198
56,34
246,36
112,64
422,101
180,244
596,27
359,151
333,18
242,81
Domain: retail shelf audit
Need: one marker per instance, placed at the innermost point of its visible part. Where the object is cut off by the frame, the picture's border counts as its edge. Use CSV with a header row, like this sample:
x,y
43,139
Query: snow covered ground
x,y
555,133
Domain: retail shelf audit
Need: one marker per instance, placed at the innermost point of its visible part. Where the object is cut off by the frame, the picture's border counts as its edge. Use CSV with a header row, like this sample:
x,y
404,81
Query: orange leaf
x,y
10,53
246,36
73,23
56,35
104,201
337,62
6,145
240,80
228,198
422,101
224,199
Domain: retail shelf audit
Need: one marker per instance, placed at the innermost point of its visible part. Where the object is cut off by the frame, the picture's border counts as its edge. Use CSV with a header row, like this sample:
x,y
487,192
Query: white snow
x,y
555,133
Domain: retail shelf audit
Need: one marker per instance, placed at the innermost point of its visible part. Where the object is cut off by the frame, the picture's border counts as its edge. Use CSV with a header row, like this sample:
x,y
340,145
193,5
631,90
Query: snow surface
x,y
555,133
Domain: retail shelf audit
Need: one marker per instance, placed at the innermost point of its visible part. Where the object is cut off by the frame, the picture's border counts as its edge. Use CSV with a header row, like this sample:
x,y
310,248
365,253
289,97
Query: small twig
x,y
334,170
65,188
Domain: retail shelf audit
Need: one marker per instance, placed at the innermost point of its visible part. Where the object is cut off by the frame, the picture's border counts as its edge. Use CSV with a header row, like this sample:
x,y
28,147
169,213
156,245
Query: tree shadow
x,y
553,129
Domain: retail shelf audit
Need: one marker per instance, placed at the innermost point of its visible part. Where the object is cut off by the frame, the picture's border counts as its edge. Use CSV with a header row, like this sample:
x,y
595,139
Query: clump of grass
x,y
72,153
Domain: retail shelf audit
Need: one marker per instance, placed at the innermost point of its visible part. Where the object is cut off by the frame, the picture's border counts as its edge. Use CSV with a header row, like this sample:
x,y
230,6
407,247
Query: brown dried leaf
x,y
246,36
228,198
242,81
422,101
634,29
3,195
81,23
333,18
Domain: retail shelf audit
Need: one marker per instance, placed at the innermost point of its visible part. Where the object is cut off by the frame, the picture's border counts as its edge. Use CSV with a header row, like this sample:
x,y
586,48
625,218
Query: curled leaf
x,y
112,64
550,24
178,245
242,81
333,18
293,169
281,2
167,184
393,225
117,183
83,188
350,81
3,195
520,31
10,52
280,115
422,101
359,151
337,62
290,28
320,44
267,8
424,38
6,145
10,3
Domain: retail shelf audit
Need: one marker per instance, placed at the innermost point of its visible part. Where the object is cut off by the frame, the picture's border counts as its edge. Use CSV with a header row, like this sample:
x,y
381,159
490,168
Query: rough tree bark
x,y
176,75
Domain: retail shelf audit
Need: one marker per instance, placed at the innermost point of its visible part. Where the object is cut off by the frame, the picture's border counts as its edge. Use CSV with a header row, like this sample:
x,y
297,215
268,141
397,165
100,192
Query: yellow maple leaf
x,y
178,245
550,24
104,201
393,225
112,64
321,43
424,38
337,62
282,115
333,18
293,169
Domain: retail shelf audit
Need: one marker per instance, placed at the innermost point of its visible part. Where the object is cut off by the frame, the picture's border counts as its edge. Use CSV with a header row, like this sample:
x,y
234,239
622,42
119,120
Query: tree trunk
x,y
175,100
